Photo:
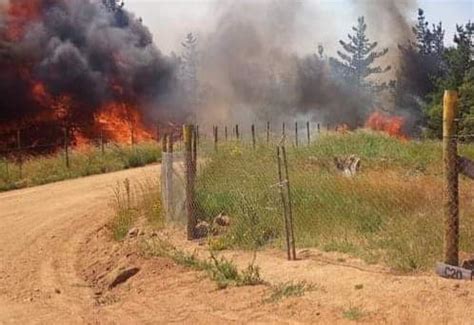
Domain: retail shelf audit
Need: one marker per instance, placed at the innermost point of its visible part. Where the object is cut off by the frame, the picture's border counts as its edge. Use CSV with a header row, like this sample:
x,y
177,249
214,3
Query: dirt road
x,y
50,243
41,230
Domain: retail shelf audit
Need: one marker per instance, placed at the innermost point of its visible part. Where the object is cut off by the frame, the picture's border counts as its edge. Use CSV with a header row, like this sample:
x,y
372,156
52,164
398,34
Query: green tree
x,y
355,64
459,75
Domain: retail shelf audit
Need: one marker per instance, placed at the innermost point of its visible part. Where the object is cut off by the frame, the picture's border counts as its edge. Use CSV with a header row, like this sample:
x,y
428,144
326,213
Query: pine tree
x,y
189,69
356,62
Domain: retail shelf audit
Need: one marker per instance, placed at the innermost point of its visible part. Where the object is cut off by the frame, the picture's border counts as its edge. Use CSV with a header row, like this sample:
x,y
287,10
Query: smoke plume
x,y
73,57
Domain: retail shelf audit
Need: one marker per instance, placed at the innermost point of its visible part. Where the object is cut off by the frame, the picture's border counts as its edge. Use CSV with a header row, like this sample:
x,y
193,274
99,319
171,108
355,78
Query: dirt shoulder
x,y
56,260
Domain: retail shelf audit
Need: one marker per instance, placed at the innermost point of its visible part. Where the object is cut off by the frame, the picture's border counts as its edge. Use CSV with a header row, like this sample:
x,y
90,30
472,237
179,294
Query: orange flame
x,y
392,125
122,123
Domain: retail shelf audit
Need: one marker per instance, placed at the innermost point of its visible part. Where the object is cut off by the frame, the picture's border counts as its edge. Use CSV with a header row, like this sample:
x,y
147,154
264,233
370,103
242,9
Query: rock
x,y
468,264
123,276
154,234
57,291
133,232
202,229
222,220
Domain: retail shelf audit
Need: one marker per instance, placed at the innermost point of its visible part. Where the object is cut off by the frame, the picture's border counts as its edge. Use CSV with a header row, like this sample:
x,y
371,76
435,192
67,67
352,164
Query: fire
x,y
122,123
392,125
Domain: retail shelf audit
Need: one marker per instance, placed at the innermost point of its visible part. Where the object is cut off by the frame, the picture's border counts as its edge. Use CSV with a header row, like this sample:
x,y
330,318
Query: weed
x,y
289,289
130,202
354,313
224,272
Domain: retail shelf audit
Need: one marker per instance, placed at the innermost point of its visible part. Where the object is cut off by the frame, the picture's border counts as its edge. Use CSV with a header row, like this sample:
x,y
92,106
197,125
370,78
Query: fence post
x,y
158,132
196,132
20,154
237,132
194,154
225,132
290,205
102,147
308,132
451,194
66,145
268,133
319,128
296,134
284,202
254,140
169,176
216,137
163,176
188,131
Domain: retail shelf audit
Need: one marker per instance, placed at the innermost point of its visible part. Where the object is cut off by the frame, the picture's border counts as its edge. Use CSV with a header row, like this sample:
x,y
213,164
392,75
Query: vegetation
x,y
356,64
289,289
132,201
353,313
84,162
391,212
220,270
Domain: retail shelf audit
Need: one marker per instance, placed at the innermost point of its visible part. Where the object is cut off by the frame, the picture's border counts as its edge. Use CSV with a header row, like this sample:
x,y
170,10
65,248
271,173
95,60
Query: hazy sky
x,y
170,20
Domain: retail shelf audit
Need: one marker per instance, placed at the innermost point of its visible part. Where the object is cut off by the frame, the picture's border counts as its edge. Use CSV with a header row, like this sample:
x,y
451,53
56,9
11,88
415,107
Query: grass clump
x,y
289,289
224,272
131,202
39,170
354,313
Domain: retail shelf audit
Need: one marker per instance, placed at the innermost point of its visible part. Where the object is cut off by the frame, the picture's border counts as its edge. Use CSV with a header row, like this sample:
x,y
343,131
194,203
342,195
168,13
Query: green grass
x,y
132,201
354,313
40,170
222,271
390,213
289,289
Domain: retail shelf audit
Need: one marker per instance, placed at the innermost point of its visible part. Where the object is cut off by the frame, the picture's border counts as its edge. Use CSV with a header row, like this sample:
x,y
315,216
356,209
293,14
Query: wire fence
x,y
360,193
37,155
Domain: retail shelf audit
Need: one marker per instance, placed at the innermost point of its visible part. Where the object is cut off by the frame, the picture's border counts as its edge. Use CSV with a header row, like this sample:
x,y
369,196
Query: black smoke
x,y
82,49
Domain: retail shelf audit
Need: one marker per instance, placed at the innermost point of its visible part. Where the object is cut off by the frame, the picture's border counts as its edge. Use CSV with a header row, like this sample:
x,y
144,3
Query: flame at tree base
x,y
122,123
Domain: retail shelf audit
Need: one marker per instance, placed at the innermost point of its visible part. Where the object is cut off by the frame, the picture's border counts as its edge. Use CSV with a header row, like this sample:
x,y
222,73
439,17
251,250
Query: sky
x,y
171,20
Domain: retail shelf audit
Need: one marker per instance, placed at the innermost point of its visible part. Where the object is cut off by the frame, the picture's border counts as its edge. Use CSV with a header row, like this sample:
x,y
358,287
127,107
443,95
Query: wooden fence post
x,y
66,145
216,137
296,134
157,132
290,205
188,131
237,132
226,133
20,153
194,149
268,133
319,128
254,140
308,132
102,147
451,185
284,203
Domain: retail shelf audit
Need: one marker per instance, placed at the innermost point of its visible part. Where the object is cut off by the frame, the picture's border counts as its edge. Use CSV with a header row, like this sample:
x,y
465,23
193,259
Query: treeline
x,y
347,88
